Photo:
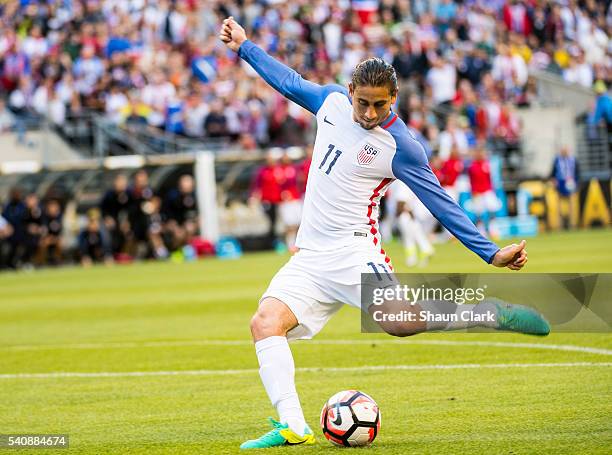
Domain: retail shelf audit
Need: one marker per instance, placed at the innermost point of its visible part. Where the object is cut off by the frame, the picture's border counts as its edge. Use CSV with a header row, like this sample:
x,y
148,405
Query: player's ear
x,y
393,97
351,89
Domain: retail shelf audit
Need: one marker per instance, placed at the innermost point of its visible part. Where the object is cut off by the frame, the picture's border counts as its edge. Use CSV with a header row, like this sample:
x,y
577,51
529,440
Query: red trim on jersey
x,y
376,191
371,221
387,118
391,122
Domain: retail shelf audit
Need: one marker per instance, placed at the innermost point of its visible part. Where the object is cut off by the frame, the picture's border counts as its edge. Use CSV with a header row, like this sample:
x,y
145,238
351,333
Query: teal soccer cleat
x,y
280,435
522,319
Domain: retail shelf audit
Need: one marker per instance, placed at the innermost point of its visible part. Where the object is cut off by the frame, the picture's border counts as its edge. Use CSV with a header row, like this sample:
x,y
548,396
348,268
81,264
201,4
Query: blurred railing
x,y
77,131
553,90
112,139
93,136
594,151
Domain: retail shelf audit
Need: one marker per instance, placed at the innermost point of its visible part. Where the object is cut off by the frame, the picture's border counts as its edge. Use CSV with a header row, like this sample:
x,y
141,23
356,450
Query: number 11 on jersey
x,y
331,148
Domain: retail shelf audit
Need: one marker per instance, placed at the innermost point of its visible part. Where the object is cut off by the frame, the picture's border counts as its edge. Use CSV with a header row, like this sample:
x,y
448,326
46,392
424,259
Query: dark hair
x,y
375,72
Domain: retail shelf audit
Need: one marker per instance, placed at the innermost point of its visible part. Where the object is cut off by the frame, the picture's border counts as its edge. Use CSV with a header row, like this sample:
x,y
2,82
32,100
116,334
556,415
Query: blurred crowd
x,y
131,221
464,69
159,64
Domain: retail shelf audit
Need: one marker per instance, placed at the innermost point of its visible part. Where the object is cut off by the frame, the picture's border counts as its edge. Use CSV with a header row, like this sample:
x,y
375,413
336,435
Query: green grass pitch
x,y
163,320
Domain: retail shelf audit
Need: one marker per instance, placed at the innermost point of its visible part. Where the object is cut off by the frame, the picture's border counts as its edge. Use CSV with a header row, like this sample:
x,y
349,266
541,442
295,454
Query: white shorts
x,y
315,284
485,202
291,212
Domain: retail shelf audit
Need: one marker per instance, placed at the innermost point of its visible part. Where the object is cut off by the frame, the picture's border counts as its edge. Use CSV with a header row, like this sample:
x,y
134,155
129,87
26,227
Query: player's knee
x,y
265,324
257,324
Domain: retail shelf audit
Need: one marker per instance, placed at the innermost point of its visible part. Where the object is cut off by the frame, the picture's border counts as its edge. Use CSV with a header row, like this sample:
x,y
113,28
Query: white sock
x,y
277,372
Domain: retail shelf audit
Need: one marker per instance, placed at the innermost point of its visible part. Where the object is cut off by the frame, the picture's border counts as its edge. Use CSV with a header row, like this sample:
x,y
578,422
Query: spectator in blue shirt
x,y
565,177
603,106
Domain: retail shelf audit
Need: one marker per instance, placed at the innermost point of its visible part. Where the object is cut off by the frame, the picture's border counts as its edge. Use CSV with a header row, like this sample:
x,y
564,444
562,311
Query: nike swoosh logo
x,y
295,443
327,121
338,420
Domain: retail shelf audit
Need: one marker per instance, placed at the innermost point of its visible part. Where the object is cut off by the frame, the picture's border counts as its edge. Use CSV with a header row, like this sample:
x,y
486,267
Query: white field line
x,y
361,369
194,343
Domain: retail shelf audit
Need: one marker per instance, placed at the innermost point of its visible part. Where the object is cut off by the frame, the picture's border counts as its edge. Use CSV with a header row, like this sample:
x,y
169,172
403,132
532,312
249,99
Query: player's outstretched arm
x,y
282,78
411,167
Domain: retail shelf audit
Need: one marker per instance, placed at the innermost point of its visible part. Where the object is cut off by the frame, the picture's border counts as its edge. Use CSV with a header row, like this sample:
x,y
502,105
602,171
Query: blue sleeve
x,y
421,140
410,165
285,80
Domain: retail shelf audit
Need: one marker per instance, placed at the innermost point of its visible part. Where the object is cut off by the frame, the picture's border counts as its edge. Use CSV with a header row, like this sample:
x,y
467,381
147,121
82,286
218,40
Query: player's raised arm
x,y
410,165
282,78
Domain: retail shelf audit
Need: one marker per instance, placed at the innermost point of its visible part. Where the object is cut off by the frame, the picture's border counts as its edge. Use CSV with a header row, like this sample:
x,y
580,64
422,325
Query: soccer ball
x,y
350,418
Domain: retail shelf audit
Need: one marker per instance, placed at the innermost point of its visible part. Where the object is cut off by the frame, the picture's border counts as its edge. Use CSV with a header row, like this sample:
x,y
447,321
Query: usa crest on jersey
x,y
367,154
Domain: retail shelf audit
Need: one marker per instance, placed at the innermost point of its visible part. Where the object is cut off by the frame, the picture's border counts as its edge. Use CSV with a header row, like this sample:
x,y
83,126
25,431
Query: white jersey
x,y
352,167
350,172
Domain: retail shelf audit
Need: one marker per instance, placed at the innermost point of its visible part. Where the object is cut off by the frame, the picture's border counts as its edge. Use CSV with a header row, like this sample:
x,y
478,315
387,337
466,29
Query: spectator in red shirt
x,y
266,188
290,208
436,166
516,17
509,127
484,200
449,172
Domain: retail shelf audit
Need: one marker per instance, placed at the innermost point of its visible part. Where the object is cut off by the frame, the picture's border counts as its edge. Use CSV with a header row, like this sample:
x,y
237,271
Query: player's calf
x,y
401,319
398,319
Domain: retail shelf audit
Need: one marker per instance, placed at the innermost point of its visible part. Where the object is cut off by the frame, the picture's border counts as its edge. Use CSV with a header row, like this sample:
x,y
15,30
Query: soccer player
x,y
267,188
361,147
484,200
417,247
